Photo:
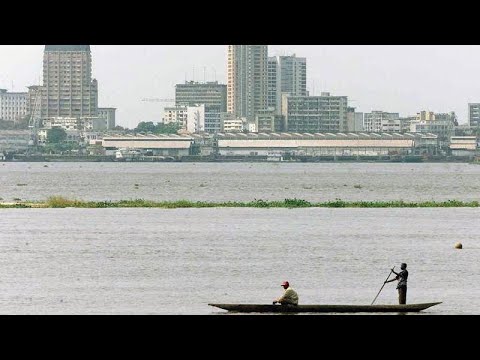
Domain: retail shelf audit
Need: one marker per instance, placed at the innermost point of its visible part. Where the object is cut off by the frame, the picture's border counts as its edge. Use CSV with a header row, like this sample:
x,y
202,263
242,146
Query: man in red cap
x,y
290,297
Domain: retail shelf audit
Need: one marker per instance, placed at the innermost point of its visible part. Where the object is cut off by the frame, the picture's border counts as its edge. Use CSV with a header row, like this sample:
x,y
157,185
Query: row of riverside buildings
x,y
265,97
265,109
269,94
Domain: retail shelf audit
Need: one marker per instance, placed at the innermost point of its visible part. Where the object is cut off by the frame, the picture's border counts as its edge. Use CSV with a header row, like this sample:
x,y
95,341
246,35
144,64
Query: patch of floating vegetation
x,y
62,202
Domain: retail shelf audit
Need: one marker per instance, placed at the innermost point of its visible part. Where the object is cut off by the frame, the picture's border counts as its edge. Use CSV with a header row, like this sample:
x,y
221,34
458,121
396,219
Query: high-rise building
x,y
293,74
209,93
246,80
285,75
274,86
68,88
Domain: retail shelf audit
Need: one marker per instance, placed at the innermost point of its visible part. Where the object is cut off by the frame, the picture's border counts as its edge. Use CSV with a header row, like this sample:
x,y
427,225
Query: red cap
x,y
285,283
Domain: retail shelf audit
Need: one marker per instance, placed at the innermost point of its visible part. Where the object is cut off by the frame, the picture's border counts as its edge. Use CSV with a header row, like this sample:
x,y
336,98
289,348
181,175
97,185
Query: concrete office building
x,y
231,123
311,114
358,122
213,120
381,121
175,114
209,93
268,121
354,121
247,80
189,118
405,123
108,115
425,116
68,88
13,105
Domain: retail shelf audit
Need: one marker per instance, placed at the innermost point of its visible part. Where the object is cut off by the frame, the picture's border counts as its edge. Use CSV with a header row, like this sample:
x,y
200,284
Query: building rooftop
x,y
331,136
67,47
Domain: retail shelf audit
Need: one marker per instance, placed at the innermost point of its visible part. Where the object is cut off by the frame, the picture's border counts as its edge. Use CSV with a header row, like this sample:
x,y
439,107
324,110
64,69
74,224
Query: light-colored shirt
x,y
289,297
402,278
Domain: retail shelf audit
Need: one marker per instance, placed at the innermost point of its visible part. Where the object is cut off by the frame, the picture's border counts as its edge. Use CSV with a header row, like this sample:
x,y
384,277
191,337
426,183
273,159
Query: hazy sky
x,y
394,78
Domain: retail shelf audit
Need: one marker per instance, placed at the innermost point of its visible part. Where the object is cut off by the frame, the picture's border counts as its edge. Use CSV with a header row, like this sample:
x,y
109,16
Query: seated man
x,y
290,297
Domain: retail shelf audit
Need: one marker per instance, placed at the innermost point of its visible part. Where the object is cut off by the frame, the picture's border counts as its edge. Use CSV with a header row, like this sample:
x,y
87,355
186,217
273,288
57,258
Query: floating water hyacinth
x,y
62,202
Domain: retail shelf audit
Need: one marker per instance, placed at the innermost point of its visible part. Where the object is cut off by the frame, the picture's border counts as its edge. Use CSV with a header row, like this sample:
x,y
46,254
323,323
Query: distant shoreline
x,y
248,159
58,202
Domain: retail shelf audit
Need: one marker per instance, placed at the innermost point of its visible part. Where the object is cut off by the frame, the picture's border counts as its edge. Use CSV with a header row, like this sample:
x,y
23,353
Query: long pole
x,y
391,270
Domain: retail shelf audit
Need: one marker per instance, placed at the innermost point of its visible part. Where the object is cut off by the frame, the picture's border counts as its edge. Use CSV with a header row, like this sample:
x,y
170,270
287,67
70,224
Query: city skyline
x,y
398,78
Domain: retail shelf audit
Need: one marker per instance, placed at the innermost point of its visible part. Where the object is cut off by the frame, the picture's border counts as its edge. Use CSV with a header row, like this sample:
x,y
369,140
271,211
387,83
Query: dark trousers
x,y
402,295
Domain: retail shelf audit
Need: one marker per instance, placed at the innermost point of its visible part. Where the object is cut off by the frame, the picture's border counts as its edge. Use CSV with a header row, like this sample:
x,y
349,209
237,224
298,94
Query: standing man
x,y
402,277
290,296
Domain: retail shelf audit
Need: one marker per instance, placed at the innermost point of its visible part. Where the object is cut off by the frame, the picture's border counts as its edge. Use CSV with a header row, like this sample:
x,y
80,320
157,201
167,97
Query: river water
x,y
240,181
156,261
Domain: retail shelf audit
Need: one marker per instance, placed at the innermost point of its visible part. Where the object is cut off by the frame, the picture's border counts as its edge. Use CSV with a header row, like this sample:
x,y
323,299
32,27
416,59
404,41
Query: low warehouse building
x,y
318,144
163,145
463,145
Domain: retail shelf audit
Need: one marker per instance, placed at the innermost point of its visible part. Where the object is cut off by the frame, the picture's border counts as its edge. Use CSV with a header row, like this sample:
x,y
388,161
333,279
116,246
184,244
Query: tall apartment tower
x,y
68,88
293,72
274,86
247,80
286,75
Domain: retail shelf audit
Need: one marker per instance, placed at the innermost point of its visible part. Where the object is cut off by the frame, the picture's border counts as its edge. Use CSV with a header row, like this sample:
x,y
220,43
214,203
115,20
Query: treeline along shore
x,y
61,202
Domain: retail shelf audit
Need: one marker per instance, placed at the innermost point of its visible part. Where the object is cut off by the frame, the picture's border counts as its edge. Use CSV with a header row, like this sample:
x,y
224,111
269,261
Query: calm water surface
x,y
240,181
154,261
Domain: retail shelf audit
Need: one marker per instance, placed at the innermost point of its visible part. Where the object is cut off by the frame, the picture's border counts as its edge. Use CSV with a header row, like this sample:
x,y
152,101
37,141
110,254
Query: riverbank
x,y
61,202
248,159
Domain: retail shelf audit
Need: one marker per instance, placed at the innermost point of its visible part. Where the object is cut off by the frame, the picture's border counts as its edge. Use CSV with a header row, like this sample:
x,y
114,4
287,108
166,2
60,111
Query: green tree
x,y
145,127
171,128
56,136
159,128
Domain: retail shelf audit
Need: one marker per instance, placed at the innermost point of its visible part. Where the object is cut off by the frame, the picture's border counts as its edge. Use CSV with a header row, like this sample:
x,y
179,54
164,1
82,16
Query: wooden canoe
x,y
258,308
